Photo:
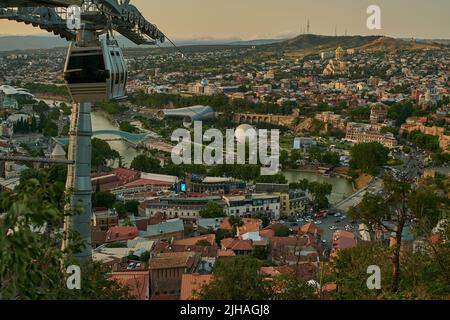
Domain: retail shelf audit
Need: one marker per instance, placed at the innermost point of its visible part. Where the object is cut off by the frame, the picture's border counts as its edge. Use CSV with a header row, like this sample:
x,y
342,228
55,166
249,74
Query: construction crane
x,y
95,70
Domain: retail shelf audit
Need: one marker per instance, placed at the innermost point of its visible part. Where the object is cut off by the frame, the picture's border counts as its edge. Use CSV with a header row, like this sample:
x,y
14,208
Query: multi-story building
x,y
186,209
418,124
378,113
217,185
293,202
330,118
252,204
103,220
365,133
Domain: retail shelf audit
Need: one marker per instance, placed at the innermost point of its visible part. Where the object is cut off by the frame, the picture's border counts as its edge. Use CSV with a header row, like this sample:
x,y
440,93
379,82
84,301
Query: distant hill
x,y
14,43
299,46
314,44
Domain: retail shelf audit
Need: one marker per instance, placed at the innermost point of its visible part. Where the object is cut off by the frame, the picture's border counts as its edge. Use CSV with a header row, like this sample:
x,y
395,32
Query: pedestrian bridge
x,y
111,135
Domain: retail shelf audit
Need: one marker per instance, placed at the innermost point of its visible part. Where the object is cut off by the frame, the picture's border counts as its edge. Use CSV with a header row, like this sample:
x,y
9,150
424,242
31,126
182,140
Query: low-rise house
x,y
292,250
167,230
166,271
238,246
105,219
121,234
209,224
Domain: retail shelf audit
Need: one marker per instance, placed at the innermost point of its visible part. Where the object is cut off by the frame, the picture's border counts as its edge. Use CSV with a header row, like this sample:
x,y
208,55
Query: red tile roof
x,y
310,228
211,238
137,283
146,182
172,260
192,284
236,244
121,234
225,253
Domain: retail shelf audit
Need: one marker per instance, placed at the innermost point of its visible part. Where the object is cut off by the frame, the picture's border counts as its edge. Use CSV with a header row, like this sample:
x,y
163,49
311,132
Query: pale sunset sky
x,y
254,19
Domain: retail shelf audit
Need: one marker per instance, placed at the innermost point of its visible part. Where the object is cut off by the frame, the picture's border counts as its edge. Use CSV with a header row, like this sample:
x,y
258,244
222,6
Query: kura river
x,y
342,188
99,123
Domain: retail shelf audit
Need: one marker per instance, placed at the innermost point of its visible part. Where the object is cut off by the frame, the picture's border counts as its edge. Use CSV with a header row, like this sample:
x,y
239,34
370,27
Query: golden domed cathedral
x,y
340,53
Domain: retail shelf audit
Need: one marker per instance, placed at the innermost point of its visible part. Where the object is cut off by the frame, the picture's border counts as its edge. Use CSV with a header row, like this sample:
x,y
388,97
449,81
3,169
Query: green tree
x,y
212,210
236,279
203,243
146,164
260,253
403,204
32,264
239,278
282,231
120,209
320,193
102,153
127,127
368,157
103,200
132,207
50,128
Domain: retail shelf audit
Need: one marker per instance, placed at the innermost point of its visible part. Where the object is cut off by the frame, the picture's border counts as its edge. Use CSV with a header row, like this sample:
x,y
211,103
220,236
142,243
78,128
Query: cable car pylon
x,y
95,70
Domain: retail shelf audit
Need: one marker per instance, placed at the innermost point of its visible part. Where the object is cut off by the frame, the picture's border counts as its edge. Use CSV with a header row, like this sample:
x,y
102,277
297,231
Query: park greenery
x,y
369,157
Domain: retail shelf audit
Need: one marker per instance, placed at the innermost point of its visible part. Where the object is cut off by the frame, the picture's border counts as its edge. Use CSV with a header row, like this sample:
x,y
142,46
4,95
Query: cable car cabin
x,y
96,74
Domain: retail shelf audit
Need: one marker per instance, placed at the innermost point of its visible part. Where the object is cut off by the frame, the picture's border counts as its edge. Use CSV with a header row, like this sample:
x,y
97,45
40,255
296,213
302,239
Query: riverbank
x,y
342,187
340,172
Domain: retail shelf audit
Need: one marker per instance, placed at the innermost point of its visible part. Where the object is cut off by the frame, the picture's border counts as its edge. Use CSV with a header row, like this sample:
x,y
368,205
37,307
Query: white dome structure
x,y
244,132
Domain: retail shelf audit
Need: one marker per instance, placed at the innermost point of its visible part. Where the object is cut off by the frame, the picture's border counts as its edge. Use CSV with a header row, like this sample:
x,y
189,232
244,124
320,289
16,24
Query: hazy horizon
x,y
269,19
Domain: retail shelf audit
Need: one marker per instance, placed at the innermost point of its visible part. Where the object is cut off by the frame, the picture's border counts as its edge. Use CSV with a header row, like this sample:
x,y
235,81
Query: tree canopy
x,y
368,157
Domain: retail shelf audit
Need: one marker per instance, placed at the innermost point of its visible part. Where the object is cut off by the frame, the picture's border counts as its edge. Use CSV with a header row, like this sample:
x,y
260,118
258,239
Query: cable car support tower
x,y
95,70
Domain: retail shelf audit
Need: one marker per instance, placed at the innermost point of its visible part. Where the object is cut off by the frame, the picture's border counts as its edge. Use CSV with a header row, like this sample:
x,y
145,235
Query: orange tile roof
x,y
267,233
211,238
225,225
137,283
192,284
121,233
250,226
172,260
310,228
225,253
237,244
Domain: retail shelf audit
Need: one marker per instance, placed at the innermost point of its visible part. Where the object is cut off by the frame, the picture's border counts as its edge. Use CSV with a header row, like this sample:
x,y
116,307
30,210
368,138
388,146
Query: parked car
x,y
318,222
333,228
